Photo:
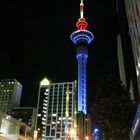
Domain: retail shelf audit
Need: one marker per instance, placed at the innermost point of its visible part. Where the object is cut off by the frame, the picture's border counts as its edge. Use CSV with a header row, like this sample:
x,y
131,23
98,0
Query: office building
x,y
56,109
125,53
10,94
133,17
26,115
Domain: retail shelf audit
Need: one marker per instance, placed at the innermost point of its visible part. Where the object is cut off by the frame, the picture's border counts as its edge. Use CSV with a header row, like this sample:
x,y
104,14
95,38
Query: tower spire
x,y
81,24
81,9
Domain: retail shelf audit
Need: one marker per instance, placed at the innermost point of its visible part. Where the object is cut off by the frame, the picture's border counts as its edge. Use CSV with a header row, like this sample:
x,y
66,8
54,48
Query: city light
x,y
72,132
35,135
82,36
96,134
95,130
87,138
81,9
45,82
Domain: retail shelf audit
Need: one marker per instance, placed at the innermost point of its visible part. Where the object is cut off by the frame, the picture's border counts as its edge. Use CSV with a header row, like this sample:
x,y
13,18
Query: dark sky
x,y
35,42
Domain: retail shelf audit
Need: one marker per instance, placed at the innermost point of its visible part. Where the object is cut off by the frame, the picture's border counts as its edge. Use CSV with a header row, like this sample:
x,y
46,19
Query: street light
x,y
72,132
35,135
87,138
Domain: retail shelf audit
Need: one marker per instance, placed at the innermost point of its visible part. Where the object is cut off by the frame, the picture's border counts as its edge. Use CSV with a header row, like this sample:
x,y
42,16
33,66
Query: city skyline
x,y
78,96
36,34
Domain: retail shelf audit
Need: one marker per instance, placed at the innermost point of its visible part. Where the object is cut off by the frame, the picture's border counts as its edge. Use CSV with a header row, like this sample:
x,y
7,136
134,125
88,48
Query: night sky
x,y
35,43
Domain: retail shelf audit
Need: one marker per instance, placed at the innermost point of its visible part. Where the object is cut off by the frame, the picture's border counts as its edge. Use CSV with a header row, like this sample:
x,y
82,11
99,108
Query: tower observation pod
x,y
81,38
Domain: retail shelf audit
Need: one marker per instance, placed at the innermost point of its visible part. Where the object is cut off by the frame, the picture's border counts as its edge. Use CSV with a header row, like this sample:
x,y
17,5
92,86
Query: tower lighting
x,y
82,37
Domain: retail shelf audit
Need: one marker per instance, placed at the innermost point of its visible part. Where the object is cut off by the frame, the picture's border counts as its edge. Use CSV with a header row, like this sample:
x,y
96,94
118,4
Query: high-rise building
x,y
125,52
82,37
133,16
56,109
10,94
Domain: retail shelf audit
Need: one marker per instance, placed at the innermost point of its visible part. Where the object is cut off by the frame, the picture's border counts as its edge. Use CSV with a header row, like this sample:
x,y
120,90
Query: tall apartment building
x,y
56,109
133,16
10,94
125,52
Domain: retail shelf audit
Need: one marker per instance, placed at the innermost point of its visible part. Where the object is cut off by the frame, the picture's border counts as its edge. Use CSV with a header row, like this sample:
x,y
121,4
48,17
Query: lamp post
x,y
43,83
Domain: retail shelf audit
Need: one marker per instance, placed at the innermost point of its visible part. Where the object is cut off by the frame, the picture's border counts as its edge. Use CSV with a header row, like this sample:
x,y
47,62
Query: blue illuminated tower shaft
x,y
82,37
82,56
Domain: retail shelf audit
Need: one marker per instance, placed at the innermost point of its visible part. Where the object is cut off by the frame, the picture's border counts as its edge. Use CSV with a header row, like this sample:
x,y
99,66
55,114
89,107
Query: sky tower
x,y
82,37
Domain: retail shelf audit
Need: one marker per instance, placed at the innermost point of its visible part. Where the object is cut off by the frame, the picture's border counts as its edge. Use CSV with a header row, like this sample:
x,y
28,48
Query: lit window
x,y
39,115
54,114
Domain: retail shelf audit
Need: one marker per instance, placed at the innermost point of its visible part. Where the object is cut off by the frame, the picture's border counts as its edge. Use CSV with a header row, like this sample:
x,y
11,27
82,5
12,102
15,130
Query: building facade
x,y
135,131
26,115
133,16
10,94
12,129
125,54
57,111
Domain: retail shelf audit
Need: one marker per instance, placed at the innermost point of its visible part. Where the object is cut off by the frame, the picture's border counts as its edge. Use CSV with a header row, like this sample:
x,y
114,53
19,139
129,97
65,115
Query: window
x,y
57,135
48,130
53,132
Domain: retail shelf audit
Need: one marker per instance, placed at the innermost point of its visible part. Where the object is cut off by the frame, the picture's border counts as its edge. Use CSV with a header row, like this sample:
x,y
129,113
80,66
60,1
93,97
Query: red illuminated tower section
x,y
82,37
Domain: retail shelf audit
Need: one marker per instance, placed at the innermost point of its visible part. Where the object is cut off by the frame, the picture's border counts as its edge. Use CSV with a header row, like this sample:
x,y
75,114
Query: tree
x,y
113,110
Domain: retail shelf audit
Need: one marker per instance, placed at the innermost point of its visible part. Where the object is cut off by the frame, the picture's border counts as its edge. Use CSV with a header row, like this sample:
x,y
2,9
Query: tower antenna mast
x,y
81,9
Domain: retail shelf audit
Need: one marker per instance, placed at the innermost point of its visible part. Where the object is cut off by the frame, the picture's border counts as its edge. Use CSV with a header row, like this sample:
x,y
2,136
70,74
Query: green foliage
x,y
113,110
